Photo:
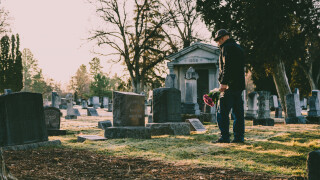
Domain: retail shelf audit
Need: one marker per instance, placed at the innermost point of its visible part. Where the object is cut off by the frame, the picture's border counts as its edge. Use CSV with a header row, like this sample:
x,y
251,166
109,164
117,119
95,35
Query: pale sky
x,y
55,31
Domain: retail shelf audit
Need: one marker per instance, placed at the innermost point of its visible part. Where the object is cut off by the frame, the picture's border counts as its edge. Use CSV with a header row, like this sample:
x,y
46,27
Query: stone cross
x,y
191,103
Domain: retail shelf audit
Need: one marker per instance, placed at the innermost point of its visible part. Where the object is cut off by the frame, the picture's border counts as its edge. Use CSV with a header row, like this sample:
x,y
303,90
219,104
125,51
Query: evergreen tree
x,y
18,76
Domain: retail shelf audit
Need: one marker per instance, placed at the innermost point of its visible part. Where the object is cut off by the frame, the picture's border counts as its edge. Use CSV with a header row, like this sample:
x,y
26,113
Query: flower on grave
x,y
212,97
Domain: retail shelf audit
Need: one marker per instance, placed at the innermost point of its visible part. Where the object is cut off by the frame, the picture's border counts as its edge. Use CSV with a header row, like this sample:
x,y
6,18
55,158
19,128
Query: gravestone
x,y
22,119
90,102
83,138
314,107
195,125
46,103
150,106
166,118
128,117
7,91
278,112
294,110
104,124
52,117
110,107
191,106
84,104
95,102
273,102
105,102
263,117
166,105
70,111
92,112
313,165
63,103
76,112
55,100
252,112
303,103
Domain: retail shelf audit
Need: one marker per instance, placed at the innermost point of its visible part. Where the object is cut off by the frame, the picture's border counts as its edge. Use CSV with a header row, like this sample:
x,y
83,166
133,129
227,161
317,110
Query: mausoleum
x,y
204,59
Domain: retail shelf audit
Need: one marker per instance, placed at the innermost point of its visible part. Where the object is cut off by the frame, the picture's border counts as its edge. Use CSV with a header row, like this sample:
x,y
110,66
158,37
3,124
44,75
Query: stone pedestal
x,y
252,112
169,128
294,110
263,110
128,132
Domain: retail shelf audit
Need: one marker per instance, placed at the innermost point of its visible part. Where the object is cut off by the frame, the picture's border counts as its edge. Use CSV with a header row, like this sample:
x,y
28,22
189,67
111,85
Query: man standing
x,y
232,83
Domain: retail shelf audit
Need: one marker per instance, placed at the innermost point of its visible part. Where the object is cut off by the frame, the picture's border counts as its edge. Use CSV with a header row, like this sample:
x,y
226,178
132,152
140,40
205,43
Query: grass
x,y
279,149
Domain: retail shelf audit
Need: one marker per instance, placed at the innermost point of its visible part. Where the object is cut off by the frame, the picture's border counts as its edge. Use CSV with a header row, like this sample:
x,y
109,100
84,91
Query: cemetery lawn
x,y
278,152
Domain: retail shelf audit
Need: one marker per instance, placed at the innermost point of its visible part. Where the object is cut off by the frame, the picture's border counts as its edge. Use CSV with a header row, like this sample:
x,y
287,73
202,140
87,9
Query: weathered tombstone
x,y
55,100
63,103
84,104
7,91
52,117
303,103
128,117
278,112
104,124
195,125
170,81
294,110
191,106
76,112
313,165
110,107
105,102
22,119
263,117
314,107
92,112
273,102
166,117
252,111
70,111
95,102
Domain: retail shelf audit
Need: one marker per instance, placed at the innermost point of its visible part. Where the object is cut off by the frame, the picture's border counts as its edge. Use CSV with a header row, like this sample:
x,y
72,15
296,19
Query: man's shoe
x,y
237,141
221,140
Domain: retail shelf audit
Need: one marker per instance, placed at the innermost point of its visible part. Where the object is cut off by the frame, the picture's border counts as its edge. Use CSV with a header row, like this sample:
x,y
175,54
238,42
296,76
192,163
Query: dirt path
x,y
62,163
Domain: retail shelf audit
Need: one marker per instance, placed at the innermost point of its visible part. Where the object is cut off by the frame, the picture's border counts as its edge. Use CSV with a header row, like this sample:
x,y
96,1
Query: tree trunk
x,y
4,172
311,81
281,81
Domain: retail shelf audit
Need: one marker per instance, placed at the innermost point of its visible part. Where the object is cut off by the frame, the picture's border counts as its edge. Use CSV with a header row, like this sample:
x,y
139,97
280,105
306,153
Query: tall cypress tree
x,y
18,77
10,64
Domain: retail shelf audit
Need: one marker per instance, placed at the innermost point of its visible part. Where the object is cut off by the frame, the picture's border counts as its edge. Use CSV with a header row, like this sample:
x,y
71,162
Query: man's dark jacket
x,y
232,65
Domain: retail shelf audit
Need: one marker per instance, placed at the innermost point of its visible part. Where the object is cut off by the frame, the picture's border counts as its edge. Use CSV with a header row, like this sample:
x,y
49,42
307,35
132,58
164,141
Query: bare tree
x,y
136,34
185,24
4,21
